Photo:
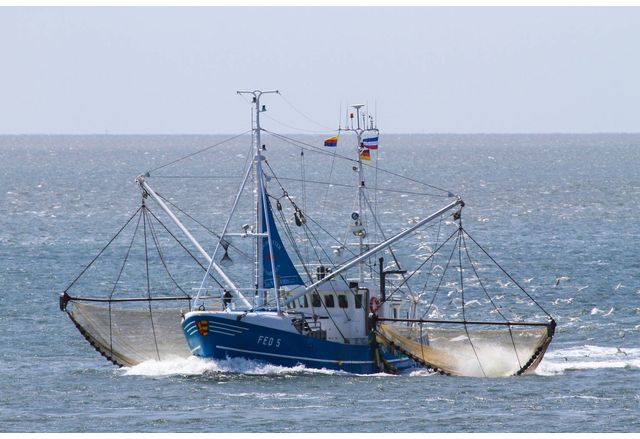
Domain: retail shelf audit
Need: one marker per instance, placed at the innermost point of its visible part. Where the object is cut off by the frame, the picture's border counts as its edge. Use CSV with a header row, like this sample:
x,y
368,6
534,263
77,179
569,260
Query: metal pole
x,y
229,284
383,245
258,158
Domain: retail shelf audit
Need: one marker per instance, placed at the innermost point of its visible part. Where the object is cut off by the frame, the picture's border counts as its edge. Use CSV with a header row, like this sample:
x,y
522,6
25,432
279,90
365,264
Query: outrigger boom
x,y
228,282
376,249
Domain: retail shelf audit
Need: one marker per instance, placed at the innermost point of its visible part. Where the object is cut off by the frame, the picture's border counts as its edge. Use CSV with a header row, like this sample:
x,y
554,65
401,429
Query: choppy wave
x,y
588,357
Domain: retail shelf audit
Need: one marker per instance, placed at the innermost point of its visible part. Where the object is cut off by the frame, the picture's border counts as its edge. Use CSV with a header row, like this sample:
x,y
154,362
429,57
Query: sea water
x,y
559,212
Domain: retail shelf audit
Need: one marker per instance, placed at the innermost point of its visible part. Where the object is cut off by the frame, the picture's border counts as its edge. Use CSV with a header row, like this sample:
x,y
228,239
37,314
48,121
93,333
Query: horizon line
x,y
330,132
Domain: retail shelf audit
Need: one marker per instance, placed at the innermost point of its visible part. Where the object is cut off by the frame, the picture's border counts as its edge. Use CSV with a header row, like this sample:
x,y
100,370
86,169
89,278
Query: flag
x,y
365,154
331,141
371,142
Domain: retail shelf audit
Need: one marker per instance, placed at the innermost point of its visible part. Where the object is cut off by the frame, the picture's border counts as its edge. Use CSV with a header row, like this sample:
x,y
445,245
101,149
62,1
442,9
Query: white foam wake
x,y
588,357
555,362
200,366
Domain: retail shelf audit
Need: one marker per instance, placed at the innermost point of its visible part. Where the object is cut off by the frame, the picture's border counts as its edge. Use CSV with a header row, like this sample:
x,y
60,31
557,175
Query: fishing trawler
x,y
326,305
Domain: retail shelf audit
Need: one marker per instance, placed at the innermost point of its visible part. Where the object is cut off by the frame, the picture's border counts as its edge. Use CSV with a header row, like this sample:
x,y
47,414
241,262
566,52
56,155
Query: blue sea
x,y
558,211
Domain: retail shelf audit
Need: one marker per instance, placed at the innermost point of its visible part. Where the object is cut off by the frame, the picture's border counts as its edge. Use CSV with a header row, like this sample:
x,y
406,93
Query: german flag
x,y
365,154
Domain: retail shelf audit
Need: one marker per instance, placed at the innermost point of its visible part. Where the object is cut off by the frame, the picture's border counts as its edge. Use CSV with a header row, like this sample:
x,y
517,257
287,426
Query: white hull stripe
x,y
215,323
235,327
303,358
222,328
221,332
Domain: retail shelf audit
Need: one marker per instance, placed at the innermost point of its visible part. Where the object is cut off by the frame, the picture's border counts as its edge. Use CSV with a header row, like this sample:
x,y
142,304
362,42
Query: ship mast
x,y
261,204
359,229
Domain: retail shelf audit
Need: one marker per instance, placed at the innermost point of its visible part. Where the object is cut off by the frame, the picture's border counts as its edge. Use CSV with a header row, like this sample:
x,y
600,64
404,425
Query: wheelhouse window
x,y
342,301
315,300
328,301
306,302
358,298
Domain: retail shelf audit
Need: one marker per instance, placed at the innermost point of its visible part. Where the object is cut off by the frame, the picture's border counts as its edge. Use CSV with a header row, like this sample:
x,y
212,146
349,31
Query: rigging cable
x,y
326,192
156,242
513,342
379,228
508,275
146,260
405,280
304,190
302,114
433,260
196,152
464,316
187,251
320,151
201,225
115,285
308,231
103,249
437,290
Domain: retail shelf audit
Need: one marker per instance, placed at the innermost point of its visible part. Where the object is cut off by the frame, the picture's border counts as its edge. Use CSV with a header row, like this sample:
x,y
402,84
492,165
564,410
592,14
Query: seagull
x,y
561,278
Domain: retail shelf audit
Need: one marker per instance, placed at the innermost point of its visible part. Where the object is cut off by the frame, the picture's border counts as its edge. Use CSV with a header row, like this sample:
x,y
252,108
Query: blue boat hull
x,y
224,338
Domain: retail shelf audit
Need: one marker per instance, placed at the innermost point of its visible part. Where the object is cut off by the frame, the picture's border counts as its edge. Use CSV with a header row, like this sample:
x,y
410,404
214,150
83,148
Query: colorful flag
x,y
371,142
331,141
365,154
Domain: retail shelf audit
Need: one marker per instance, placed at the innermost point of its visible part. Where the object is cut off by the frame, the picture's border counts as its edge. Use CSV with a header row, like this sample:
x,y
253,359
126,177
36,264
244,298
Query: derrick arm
x,y
227,282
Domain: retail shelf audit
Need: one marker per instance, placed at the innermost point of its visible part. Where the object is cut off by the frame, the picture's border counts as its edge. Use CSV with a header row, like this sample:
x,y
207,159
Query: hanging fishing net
x,y
130,336
471,318
127,323
469,352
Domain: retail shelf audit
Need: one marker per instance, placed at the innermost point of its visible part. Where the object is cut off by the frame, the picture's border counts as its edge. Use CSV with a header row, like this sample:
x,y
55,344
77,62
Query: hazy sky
x,y
426,69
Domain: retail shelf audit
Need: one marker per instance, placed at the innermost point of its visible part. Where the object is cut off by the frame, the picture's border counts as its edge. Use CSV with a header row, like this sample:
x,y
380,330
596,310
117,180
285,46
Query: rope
x,y
293,127
435,294
115,285
185,248
420,266
318,150
196,152
508,275
433,260
160,255
513,342
104,248
303,188
326,192
379,227
464,316
146,260
201,225
302,114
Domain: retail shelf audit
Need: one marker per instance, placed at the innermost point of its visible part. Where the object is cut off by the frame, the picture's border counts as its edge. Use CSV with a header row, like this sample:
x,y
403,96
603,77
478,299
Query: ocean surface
x,y
559,212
